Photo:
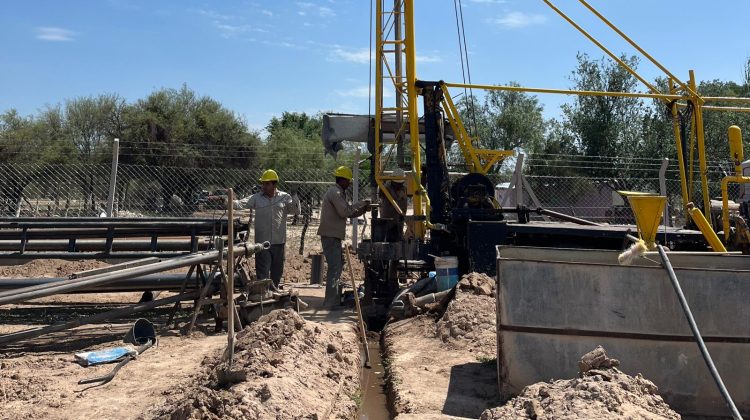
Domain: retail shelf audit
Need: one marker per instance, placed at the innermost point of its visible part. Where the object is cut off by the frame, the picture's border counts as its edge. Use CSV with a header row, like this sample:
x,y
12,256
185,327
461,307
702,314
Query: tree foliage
x,y
604,125
506,120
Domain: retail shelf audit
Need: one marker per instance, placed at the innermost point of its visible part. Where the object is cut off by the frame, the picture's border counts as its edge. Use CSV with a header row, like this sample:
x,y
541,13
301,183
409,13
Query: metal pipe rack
x,y
25,239
129,272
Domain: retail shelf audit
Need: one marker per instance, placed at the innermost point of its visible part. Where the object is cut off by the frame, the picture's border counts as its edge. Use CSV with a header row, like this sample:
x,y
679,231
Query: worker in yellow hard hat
x,y
335,209
271,207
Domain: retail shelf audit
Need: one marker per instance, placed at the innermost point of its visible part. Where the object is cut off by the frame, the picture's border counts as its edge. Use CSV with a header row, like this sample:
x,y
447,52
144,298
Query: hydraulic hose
x,y
697,334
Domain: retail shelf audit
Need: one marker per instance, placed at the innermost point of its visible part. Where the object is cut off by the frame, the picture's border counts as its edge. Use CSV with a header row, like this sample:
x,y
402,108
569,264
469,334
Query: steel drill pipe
x,y
16,258
126,268
154,282
68,286
89,245
97,233
117,313
74,278
88,222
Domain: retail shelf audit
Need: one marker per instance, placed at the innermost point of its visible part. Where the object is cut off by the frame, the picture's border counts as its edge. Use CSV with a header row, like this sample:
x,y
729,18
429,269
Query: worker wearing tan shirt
x,y
334,211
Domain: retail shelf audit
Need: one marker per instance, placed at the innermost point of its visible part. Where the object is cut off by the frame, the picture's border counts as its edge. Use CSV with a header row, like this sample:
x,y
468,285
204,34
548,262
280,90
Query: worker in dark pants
x,y
334,211
270,208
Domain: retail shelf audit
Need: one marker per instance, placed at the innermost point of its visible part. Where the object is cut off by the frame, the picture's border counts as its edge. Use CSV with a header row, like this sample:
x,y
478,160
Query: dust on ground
x,y
38,378
442,365
601,392
280,358
43,384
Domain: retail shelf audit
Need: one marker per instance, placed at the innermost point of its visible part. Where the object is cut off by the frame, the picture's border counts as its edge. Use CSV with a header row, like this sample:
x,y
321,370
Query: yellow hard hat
x,y
269,175
343,172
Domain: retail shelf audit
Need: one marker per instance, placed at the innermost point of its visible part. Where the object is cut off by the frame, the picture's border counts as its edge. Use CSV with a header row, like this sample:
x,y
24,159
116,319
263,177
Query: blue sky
x,y
260,58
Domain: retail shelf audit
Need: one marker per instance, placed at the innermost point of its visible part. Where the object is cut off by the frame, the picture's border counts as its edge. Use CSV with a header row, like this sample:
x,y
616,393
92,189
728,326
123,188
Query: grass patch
x,y
486,360
357,398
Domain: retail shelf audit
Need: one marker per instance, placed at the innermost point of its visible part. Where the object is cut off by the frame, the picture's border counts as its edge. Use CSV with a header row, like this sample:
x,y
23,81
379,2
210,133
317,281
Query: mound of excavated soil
x,y
601,392
284,367
469,319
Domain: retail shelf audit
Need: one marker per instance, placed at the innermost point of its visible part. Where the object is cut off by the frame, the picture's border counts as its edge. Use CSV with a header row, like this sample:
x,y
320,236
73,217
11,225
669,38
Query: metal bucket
x,y
142,332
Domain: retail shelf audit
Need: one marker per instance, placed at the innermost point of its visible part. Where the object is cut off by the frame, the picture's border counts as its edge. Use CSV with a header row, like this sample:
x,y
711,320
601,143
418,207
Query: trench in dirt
x,y
374,404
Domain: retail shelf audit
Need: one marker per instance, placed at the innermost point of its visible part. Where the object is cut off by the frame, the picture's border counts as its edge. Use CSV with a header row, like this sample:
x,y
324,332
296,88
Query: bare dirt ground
x,y
280,358
38,378
443,365
601,392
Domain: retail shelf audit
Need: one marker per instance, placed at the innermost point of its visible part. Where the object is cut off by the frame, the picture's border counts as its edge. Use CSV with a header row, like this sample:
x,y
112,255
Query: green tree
x,y
309,126
27,146
92,122
505,121
179,129
604,125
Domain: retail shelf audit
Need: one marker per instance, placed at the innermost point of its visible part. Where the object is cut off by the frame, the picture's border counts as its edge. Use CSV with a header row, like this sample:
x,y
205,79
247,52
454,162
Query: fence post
x,y
113,177
355,198
663,191
519,179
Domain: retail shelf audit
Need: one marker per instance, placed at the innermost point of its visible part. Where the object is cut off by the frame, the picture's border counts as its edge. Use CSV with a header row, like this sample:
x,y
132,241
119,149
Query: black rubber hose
x,y
697,334
111,375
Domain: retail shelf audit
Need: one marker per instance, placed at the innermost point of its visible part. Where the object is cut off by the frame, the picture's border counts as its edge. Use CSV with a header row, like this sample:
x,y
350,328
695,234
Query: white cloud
x,y
428,59
266,12
359,56
213,14
52,33
362,92
283,44
326,12
322,11
362,56
229,26
514,20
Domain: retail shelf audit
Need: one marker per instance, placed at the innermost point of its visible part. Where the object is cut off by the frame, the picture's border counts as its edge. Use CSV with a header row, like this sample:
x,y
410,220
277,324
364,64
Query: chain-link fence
x,y
581,186
587,187
77,190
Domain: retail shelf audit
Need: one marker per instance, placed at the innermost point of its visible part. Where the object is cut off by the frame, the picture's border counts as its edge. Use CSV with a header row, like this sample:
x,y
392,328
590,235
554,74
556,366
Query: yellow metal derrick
x,y
402,48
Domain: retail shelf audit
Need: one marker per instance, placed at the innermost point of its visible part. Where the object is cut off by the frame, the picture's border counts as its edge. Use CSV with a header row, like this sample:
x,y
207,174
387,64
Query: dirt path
x,y
443,366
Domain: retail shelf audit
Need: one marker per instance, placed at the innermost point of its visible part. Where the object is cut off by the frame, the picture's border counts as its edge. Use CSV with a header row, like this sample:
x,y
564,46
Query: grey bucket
x,y
141,332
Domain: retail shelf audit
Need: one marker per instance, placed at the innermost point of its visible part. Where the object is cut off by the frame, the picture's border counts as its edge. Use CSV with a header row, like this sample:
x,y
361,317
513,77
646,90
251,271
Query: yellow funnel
x,y
648,209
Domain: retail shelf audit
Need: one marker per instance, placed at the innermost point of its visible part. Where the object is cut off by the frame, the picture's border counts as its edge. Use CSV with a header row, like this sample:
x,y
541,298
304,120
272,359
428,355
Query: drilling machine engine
x,y
389,260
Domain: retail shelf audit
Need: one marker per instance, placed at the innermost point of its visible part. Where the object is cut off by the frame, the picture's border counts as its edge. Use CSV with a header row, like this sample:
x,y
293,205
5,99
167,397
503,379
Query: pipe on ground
x,y
68,286
155,282
105,316
100,245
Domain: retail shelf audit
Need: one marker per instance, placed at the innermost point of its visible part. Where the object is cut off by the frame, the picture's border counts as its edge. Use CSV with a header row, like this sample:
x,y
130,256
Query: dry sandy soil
x,y
601,392
279,359
443,365
38,378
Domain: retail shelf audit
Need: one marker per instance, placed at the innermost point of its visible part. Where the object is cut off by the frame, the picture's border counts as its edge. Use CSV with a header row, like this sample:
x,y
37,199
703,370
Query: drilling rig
x,y
456,214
